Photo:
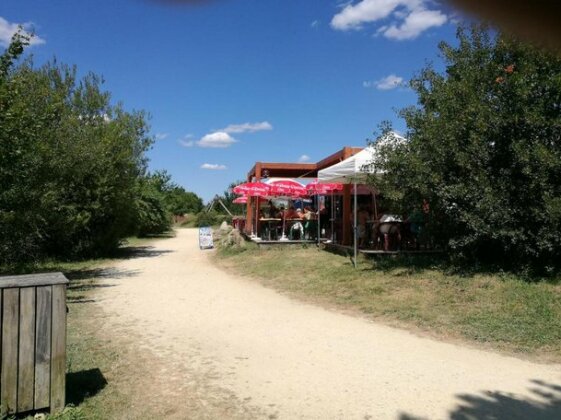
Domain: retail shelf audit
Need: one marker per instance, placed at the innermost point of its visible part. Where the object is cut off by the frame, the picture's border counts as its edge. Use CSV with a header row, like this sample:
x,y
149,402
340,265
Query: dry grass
x,y
496,311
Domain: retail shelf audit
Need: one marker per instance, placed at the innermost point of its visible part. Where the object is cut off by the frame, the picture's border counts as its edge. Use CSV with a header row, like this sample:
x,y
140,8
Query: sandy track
x,y
247,351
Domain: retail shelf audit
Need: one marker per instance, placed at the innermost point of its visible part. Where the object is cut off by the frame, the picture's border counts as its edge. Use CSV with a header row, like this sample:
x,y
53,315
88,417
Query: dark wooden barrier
x,y
33,346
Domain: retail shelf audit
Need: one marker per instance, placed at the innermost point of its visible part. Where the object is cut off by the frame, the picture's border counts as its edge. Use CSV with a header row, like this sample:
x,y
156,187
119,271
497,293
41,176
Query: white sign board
x,y
205,238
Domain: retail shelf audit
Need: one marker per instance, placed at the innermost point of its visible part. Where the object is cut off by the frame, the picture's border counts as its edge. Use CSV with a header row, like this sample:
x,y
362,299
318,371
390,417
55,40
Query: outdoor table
x,y
270,221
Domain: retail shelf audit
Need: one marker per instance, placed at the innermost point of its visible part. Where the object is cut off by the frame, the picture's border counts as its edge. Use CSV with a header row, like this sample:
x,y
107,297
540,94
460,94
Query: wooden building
x,y
263,170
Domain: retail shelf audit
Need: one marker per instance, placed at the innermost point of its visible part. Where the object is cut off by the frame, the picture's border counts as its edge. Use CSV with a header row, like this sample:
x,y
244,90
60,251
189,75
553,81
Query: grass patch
x,y
500,311
130,248
99,370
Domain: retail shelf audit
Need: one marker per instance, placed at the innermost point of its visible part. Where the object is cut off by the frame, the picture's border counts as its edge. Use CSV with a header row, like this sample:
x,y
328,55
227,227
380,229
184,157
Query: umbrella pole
x,y
283,236
251,222
355,229
256,217
317,221
332,218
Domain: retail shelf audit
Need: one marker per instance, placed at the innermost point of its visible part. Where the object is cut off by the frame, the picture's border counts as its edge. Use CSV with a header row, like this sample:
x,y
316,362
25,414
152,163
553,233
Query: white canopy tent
x,y
353,170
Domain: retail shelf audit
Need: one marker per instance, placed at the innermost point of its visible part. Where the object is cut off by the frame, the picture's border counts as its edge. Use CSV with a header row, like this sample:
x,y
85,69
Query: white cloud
x,y
161,136
247,127
407,18
7,30
187,143
213,167
222,138
304,158
343,3
417,22
218,139
315,24
386,83
352,16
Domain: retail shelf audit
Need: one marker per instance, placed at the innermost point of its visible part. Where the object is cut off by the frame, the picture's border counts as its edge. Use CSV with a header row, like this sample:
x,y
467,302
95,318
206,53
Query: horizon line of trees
x,y
73,168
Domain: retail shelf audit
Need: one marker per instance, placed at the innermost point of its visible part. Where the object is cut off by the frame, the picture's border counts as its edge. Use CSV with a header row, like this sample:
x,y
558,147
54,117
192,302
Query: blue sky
x,y
231,82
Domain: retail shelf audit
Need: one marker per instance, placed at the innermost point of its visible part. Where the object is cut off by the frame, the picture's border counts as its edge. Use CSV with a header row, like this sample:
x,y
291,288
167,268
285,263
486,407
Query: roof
x,y
300,170
355,168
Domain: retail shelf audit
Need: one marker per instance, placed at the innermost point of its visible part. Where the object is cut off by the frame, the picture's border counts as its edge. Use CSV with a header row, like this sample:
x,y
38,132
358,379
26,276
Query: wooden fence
x,y
33,342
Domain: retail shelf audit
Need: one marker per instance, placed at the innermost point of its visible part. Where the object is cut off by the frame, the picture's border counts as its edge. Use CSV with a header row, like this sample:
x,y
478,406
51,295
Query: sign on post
x,y
205,237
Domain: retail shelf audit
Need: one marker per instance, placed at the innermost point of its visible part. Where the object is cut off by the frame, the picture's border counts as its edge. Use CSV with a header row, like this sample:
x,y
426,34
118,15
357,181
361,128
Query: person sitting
x,y
390,229
362,217
291,213
296,229
273,211
310,223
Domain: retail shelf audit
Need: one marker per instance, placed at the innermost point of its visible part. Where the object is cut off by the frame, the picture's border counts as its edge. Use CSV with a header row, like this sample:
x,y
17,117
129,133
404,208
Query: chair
x,y
296,231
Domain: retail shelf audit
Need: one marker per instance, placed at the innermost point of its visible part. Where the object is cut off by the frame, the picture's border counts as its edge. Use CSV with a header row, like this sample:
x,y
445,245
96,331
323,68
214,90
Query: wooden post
x,y
257,179
33,349
346,222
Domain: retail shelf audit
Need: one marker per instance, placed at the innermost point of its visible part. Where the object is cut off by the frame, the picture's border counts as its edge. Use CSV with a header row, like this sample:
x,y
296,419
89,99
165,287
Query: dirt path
x,y
225,347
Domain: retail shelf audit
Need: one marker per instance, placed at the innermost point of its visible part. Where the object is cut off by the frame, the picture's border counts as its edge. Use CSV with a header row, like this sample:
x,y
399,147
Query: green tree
x,y
181,202
152,213
70,162
485,150
228,198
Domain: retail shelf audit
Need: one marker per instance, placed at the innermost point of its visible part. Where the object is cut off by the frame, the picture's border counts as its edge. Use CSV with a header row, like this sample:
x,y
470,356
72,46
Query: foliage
x,y
211,218
180,202
189,221
485,150
70,162
152,213
228,198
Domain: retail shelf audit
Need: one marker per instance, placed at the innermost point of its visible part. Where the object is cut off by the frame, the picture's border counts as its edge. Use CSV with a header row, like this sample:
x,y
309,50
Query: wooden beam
x,y
32,280
43,348
58,348
26,364
9,364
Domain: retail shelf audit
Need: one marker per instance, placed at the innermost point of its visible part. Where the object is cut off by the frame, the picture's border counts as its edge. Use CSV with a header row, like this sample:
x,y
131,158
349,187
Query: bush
x,y
189,220
211,218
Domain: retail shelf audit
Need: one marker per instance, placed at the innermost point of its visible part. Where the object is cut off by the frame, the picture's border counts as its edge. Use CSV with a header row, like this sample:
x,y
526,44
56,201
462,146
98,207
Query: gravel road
x,y
245,351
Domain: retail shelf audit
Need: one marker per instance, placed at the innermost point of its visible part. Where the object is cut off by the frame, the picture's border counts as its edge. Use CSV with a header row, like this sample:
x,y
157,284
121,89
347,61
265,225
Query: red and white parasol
x,y
322,189
240,200
288,188
252,189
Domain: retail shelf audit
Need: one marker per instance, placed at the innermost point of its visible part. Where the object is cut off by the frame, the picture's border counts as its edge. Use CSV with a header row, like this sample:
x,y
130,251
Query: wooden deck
x,y
347,250
269,243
